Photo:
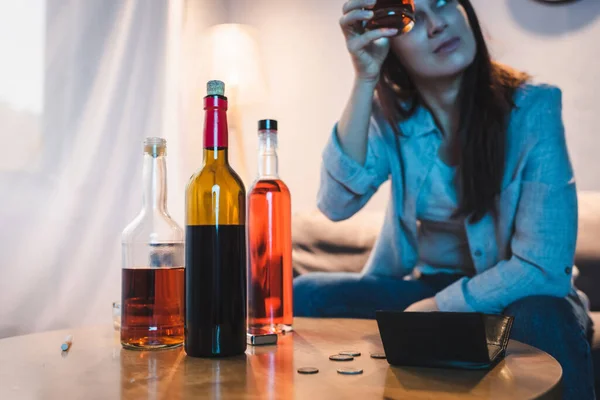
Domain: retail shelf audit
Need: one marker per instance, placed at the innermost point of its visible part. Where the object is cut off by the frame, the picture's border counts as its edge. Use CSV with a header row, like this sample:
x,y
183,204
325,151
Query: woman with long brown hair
x,y
482,214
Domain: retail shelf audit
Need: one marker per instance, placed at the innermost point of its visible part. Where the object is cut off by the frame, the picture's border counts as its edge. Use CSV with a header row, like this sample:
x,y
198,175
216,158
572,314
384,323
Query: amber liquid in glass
x,y
152,311
397,14
270,266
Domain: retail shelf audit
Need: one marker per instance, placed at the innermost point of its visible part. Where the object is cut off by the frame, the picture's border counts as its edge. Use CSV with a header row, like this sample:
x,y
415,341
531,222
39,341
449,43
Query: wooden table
x,y
33,367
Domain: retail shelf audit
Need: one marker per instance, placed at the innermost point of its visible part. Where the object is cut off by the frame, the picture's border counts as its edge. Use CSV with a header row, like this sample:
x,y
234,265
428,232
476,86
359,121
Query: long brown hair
x,y
486,100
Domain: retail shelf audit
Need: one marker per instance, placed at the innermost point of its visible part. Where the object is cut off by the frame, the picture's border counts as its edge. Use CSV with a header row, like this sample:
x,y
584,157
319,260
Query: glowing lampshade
x,y
233,57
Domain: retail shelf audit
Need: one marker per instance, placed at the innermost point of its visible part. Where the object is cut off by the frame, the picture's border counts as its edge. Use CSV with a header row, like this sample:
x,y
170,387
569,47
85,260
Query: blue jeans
x,y
558,326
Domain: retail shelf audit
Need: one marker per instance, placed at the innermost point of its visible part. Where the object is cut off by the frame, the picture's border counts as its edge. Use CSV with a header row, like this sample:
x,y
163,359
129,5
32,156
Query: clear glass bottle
x,y
152,281
270,276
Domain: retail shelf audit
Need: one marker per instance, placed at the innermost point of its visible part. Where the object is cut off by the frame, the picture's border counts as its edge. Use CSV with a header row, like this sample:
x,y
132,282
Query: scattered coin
x,y
350,371
341,357
350,353
308,370
378,355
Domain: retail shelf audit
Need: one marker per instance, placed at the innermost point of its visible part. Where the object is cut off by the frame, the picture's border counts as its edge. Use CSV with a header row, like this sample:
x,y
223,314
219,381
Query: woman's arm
x,y
544,239
354,161
353,126
346,184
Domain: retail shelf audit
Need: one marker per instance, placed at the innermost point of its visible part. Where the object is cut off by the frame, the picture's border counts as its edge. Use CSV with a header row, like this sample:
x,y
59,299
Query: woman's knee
x,y
314,291
543,317
303,291
538,306
556,326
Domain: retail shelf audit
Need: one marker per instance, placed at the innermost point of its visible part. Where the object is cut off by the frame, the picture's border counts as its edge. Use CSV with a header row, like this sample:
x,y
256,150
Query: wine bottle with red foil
x,y
270,273
215,244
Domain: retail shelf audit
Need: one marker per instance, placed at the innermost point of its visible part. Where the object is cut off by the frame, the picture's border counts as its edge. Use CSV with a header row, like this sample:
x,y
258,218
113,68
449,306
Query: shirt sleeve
x,y
545,234
346,186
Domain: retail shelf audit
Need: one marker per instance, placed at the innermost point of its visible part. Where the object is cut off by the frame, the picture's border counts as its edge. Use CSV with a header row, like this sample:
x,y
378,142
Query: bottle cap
x,y
267,125
155,146
215,88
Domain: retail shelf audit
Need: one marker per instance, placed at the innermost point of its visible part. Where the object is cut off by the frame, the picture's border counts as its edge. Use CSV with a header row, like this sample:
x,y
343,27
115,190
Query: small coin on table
x,y
308,370
350,371
341,357
378,355
350,353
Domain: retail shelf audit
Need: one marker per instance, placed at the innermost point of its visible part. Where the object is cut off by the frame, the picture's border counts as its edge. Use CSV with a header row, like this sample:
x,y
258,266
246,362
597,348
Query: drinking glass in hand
x,y
399,14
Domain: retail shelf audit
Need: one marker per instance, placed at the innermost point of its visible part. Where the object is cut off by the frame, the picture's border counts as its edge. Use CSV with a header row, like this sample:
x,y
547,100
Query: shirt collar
x,y
420,123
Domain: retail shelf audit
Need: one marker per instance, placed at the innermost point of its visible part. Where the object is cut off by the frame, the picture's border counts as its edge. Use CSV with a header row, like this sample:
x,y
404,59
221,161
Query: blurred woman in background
x,y
483,209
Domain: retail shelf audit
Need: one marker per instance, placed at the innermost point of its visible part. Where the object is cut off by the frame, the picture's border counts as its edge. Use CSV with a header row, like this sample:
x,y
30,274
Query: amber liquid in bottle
x,y
152,311
215,245
270,276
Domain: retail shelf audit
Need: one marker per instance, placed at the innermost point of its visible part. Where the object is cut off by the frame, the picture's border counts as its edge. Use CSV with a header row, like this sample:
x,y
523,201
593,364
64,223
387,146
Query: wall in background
x,y
557,44
310,74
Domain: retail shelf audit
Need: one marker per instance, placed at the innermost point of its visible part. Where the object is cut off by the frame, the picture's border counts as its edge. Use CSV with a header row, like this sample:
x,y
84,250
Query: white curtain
x,y
113,73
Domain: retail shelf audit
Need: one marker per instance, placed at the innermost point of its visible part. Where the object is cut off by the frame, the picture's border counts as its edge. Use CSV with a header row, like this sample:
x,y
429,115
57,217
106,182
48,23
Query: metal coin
x,y
380,356
350,353
350,371
340,357
308,370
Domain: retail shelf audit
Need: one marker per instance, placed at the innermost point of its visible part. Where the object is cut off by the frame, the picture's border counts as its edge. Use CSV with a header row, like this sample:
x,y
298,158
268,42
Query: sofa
x,y
320,245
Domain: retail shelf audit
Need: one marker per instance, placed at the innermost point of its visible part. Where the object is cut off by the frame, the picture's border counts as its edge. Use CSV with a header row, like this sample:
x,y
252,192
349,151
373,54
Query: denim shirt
x,y
525,248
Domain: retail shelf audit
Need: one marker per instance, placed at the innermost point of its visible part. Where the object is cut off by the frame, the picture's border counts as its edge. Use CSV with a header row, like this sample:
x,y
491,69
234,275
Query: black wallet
x,y
444,340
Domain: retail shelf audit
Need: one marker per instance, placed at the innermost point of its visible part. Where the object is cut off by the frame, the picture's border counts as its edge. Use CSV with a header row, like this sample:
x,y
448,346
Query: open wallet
x,y
444,339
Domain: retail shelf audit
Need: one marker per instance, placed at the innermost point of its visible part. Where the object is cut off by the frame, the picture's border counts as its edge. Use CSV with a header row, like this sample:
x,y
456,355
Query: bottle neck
x,y
267,155
215,156
155,183
215,122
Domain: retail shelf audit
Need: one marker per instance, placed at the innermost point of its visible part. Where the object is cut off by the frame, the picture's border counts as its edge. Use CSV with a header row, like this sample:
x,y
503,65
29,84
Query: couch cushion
x,y
596,348
588,235
596,341
319,244
587,257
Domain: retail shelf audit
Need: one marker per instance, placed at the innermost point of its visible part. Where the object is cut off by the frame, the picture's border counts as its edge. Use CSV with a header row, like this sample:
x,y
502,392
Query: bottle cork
x,y
215,88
